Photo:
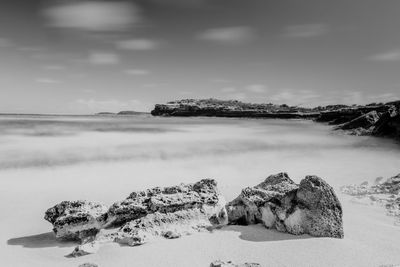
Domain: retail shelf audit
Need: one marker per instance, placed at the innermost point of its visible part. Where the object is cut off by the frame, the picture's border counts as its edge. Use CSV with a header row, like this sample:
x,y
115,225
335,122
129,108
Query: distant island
x,y
378,119
125,112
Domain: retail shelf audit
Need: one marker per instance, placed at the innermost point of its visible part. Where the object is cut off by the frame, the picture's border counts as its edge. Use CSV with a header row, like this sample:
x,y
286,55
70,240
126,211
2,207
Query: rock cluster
x,y
171,212
168,212
219,263
311,207
385,193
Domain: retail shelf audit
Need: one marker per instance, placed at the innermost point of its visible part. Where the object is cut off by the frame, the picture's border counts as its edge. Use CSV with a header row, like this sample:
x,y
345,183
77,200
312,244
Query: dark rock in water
x,y
219,263
76,220
168,225
203,194
85,249
339,116
389,122
309,208
130,112
364,121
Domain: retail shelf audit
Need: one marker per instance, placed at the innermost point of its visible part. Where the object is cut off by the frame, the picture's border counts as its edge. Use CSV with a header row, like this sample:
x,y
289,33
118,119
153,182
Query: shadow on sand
x,y
44,240
258,233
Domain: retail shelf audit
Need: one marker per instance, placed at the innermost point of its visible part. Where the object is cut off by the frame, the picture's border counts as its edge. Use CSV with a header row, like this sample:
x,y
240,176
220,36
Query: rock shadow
x,y
44,240
258,233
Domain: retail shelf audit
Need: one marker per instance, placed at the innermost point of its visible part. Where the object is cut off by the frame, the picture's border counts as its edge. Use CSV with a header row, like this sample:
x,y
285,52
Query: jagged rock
x,y
203,194
309,208
219,263
319,208
364,121
168,225
76,220
85,249
245,209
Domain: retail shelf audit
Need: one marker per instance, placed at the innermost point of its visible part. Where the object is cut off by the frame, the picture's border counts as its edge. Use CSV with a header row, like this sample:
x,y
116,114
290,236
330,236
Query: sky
x,y
87,56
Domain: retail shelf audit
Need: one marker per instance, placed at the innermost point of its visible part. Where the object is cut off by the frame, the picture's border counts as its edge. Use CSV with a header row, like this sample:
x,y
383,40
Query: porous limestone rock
x,y
203,195
364,121
85,249
309,208
88,264
219,263
76,220
168,225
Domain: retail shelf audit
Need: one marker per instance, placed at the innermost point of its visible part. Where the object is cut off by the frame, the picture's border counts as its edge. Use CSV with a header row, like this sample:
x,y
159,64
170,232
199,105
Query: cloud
x,y
230,35
53,67
91,15
47,81
393,55
228,90
294,97
112,105
103,58
5,42
137,44
137,72
305,30
256,88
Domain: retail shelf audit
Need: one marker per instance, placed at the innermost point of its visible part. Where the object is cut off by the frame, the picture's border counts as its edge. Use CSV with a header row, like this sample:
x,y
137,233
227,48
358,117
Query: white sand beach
x,y
107,165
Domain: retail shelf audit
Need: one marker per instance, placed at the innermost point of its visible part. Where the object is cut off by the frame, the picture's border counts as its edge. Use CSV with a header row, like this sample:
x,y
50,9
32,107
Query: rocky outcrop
x,y
311,207
219,263
365,122
385,193
168,212
168,225
76,220
202,195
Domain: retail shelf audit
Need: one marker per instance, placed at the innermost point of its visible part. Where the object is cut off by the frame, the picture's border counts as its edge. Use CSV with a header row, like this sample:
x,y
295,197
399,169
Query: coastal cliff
x,y
382,119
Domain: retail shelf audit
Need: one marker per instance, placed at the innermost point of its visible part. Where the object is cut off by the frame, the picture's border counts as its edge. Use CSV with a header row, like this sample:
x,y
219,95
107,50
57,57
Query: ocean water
x,y
131,152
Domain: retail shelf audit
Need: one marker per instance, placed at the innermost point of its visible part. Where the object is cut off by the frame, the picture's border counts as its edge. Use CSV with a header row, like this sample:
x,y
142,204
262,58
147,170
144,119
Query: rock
x,y
319,208
364,121
385,193
168,225
309,208
246,208
203,195
88,264
76,220
85,249
219,263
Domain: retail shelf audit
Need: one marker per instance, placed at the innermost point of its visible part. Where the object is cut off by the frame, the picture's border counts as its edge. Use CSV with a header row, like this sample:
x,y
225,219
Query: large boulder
x,y
309,208
76,220
202,195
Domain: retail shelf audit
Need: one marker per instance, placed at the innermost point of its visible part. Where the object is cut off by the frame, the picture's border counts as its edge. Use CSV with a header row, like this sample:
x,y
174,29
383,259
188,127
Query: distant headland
x,y
378,119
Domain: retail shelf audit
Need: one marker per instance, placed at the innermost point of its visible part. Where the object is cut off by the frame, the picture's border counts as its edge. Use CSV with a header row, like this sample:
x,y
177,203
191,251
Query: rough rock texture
x,y
365,121
309,208
219,263
167,225
383,193
203,194
85,249
76,220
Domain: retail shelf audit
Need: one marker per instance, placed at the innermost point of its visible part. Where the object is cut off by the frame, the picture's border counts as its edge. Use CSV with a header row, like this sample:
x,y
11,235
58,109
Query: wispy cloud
x,y
103,58
305,30
5,42
138,44
229,35
53,67
256,88
393,55
47,81
92,15
295,97
228,90
137,72
113,105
